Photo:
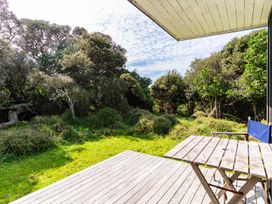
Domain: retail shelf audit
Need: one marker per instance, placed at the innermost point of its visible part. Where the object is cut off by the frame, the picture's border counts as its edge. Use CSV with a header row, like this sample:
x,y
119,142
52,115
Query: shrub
x,y
71,135
46,120
59,126
67,117
144,125
24,142
106,118
204,126
183,111
136,114
172,118
199,114
162,125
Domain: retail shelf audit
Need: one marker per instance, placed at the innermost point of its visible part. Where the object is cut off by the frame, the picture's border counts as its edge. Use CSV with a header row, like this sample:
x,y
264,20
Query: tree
x,y
108,57
96,62
253,81
42,41
15,68
144,83
64,88
134,92
210,84
9,24
79,67
169,92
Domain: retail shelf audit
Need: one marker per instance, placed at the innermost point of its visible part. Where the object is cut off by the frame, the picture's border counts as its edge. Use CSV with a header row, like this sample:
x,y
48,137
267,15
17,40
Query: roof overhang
x,y
189,19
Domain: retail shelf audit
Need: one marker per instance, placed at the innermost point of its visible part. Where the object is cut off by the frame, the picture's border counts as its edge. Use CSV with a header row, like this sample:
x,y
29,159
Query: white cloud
x,y
150,50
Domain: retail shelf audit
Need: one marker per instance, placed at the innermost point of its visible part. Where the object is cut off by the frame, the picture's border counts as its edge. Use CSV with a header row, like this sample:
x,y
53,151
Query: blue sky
x,y
150,50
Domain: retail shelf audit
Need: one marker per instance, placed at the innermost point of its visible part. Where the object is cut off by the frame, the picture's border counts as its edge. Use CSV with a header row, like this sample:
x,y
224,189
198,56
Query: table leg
x,y
252,181
205,183
266,192
228,183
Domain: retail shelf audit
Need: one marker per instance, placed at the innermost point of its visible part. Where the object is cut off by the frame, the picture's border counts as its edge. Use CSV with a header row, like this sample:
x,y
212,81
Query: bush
x,y
46,120
183,111
162,125
199,114
71,135
136,114
204,126
106,118
24,142
67,117
144,125
172,118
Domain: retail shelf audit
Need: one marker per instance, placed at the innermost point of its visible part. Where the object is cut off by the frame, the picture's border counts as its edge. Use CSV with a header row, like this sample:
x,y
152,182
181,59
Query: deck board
x,y
132,177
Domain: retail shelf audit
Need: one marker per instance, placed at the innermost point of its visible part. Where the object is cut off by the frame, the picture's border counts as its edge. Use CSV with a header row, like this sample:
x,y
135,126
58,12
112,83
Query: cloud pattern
x,y
150,50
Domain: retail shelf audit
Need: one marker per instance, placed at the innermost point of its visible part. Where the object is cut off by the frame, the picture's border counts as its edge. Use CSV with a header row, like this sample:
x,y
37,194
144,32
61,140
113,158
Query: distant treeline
x,y
55,67
230,83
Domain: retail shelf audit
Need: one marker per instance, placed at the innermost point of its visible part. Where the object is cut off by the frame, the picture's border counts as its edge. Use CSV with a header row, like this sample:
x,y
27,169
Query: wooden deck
x,y
132,177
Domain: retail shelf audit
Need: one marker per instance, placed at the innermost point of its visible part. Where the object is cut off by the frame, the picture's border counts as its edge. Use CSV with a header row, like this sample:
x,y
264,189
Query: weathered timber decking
x,y
132,177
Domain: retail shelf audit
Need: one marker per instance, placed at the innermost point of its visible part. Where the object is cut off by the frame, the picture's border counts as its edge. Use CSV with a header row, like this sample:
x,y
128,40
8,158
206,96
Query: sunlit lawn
x,y
19,178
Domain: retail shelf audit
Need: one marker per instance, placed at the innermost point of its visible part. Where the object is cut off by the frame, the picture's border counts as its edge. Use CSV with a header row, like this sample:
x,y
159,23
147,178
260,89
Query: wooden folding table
x,y
241,157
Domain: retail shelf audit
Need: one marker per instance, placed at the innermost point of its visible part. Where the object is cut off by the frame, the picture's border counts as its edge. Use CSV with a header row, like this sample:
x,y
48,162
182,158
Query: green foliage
x,y
79,67
232,80
183,111
169,92
253,80
144,121
71,135
145,124
171,117
105,118
204,126
68,117
41,40
136,114
199,114
162,125
24,142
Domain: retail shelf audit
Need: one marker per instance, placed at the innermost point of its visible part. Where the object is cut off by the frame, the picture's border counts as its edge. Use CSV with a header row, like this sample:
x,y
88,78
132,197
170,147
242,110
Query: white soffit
x,y
189,19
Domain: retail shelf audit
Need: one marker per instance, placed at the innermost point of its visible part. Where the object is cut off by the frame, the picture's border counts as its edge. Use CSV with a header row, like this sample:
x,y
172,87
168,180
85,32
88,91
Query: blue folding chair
x,y
255,129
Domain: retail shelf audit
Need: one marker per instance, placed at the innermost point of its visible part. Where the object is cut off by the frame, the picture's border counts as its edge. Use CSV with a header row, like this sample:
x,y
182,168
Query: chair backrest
x,y
259,131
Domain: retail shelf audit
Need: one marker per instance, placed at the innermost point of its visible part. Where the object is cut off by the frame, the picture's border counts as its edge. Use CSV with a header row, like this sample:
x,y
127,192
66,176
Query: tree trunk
x,y
72,108
13,113
254,110
216,110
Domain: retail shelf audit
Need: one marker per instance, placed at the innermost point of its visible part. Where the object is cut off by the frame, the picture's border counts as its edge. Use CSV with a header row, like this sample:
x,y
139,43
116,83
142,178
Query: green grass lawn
x,y
21,177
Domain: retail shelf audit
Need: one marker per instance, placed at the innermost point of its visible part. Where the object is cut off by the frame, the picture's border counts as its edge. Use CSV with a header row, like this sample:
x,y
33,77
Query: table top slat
x,y
205,154
188,148
179,147
197,149
241,161
256,166
247,157
267,158
229,156
216,157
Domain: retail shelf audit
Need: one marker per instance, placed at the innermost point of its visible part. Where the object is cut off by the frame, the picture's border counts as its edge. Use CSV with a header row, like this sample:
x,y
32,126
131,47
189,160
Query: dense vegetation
x,y
55,68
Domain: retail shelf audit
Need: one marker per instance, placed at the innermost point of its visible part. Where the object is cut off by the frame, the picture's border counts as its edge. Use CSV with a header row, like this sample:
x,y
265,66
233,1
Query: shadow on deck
x,y
132,177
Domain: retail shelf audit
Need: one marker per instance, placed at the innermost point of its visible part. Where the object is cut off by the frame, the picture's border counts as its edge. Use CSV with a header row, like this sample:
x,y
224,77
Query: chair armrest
x,y
231,134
